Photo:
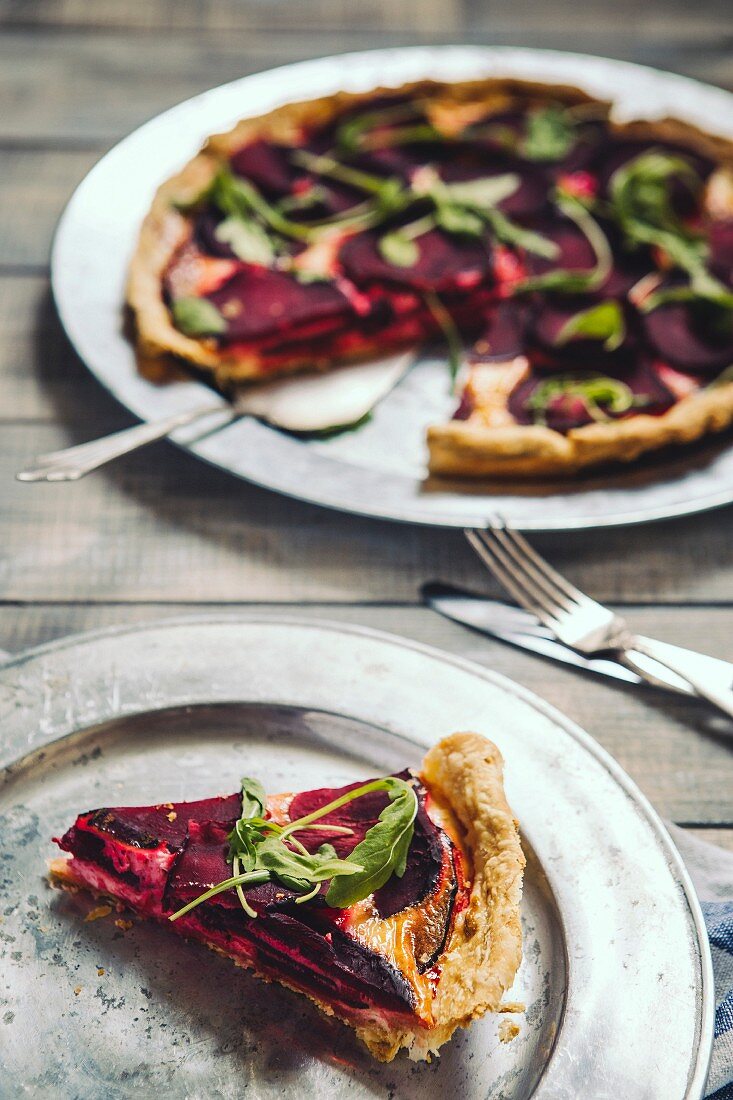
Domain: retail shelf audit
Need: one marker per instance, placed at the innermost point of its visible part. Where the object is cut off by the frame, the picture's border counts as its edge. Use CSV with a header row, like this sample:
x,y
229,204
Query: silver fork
x,y
574,618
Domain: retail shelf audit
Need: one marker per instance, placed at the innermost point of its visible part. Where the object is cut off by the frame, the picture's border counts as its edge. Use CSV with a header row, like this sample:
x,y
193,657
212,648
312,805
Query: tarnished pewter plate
x,y
379,470
615,977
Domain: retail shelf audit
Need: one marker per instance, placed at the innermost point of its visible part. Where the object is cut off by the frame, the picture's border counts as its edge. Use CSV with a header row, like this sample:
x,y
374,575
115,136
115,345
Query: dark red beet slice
x,y
259,302
575,251
684,334
505,335
267,165
570,412
445,263
721,250
204,235
532,195
150,826
552,316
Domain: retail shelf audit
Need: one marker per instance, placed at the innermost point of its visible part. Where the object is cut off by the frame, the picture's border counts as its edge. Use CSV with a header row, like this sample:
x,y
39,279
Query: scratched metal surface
x,y
378,470
179,710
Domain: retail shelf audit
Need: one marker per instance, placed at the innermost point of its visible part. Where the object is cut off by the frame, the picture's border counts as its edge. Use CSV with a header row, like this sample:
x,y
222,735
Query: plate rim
x,y
706,1018
409,510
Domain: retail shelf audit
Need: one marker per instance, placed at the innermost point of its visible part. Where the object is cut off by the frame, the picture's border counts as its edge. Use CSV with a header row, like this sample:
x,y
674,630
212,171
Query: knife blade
x,y
519,628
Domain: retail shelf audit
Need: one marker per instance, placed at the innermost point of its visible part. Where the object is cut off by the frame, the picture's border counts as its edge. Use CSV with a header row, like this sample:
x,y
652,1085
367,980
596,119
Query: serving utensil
x,y
304,404
581,623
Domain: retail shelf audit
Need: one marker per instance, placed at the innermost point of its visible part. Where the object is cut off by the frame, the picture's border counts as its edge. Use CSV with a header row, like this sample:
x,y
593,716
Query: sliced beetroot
x,y
201,865
268,166
553,314
531,197
445,263
569,411
721,250
150,826
205,238
258,302
505,334
687,336
575,252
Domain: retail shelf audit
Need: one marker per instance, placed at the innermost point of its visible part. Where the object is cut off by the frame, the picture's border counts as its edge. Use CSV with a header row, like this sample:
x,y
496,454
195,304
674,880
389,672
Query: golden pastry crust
x,y
478,964
464,448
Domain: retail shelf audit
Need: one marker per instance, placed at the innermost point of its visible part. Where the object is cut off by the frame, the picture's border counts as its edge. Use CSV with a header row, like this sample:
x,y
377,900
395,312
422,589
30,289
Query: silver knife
x,y
517,627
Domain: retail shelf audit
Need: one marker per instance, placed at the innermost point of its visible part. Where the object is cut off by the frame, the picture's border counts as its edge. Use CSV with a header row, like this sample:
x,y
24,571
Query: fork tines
x,y
533,583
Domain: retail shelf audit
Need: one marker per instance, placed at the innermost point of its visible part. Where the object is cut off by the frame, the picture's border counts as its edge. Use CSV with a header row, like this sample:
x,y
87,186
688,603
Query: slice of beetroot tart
x,y
392,904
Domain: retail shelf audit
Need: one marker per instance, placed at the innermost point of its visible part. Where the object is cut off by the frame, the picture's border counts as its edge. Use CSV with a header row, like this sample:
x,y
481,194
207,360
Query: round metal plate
x,y
615,976
378,470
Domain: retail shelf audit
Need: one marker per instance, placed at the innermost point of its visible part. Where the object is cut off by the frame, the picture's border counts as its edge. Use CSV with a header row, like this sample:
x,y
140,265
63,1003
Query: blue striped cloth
x,y
711,870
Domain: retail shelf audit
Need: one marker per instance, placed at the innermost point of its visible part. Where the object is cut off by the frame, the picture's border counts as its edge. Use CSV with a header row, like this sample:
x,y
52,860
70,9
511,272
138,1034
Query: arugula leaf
x,y
565,281
350,134
691,293
508,232
641,200
299,871
594,391
402,135
324,165
382,852
459,221
239,198
197,317
483,192
398,249
247,240
449,329
604,321
261,850
254,799
550,134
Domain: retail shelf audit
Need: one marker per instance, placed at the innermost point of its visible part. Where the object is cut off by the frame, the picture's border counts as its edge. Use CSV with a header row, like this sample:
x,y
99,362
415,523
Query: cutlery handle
x,y
706,687
74,462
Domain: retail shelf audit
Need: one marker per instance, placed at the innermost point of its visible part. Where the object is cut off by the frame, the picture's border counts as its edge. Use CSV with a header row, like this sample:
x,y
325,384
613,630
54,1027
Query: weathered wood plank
x,y
94,88
378,16
160,525
722,837
662,742
238,15
40,376
34,188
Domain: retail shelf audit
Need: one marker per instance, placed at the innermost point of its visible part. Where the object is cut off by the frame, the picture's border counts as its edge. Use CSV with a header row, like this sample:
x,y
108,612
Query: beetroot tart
x,y
392,904
587,265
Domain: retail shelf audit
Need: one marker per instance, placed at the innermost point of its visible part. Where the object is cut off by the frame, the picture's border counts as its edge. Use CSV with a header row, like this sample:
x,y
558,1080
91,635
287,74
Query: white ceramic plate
x,y
378,470
616,974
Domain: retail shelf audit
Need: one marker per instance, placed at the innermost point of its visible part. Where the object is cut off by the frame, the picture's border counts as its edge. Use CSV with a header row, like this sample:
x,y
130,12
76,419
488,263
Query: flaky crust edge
x,y
465,449
481,959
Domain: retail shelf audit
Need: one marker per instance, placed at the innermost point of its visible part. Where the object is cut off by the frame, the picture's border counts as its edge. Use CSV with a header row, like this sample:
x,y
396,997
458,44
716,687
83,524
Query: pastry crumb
x,y
97,913
77,990
512,1006
172,816
100,971
124,925
508,1030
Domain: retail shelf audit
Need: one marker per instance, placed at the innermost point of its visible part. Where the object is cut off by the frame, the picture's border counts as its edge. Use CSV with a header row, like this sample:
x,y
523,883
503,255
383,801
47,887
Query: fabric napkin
x,y
711,870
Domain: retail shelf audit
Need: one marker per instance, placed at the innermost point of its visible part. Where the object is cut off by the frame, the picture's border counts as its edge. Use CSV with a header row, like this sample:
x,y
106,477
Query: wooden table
x,y
159,534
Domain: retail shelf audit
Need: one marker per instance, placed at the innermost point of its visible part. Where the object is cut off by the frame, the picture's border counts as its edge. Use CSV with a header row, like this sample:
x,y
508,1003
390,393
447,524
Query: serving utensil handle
x,y
74,462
